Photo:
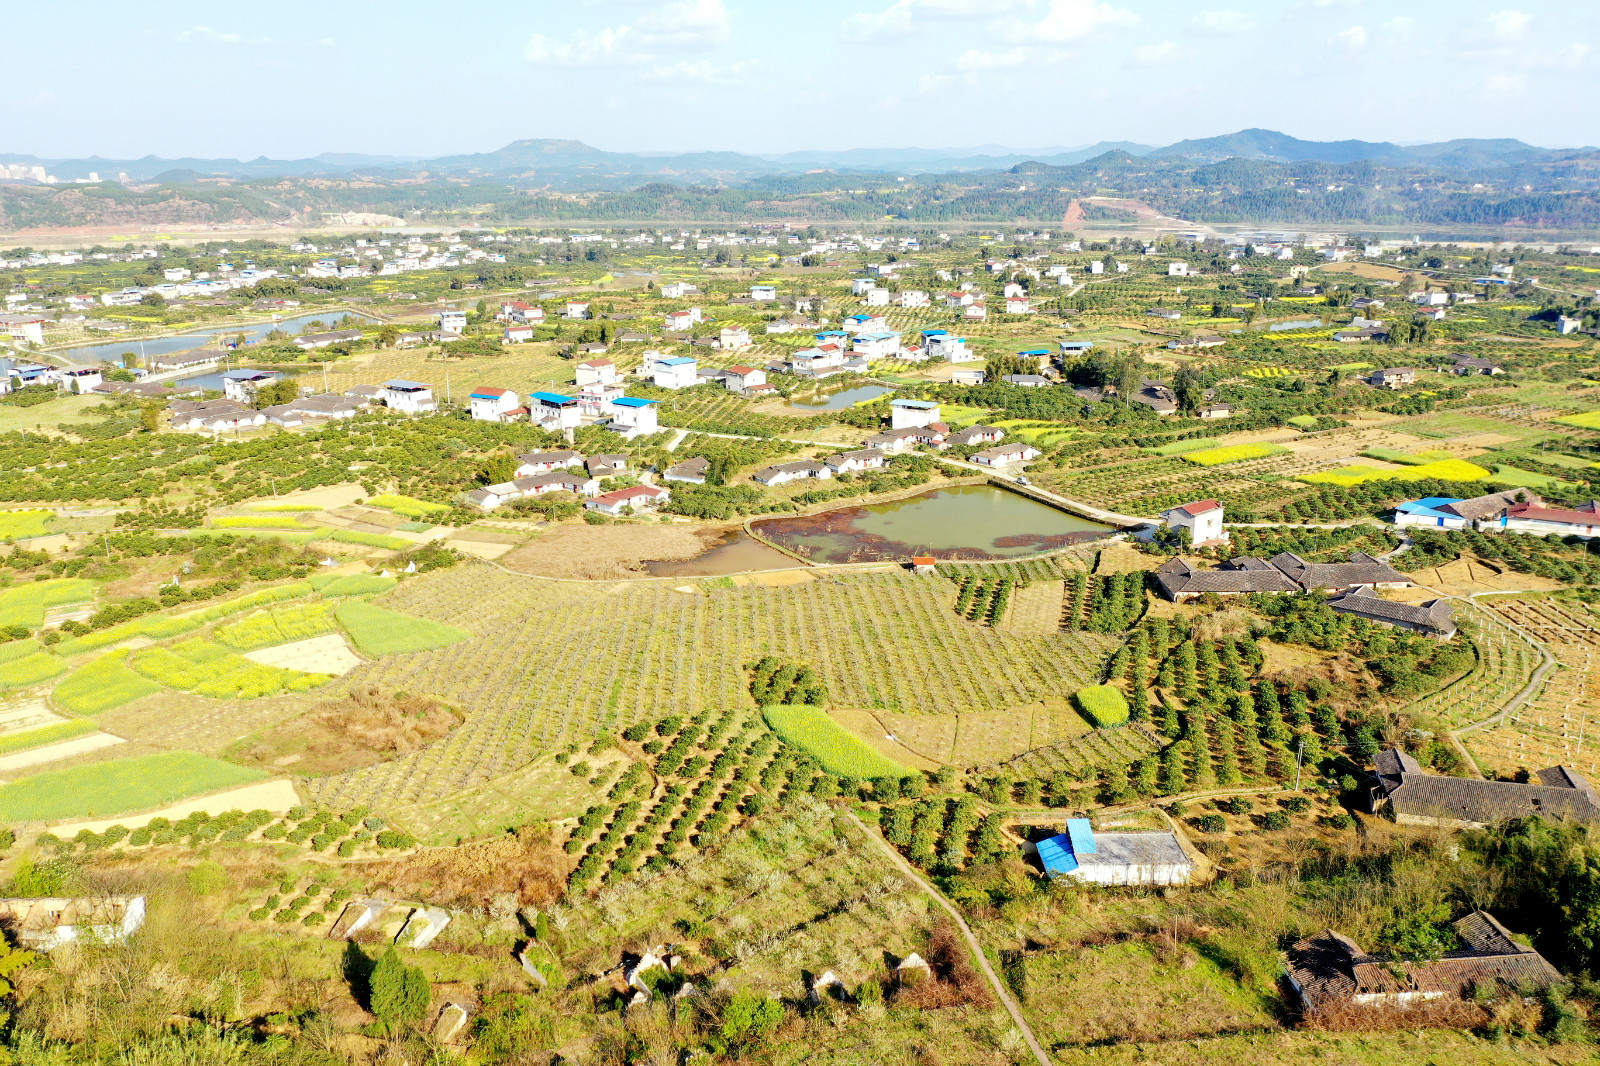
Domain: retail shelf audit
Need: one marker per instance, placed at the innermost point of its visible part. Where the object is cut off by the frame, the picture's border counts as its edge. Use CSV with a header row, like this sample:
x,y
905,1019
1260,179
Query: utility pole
x,y
447,386
1299,751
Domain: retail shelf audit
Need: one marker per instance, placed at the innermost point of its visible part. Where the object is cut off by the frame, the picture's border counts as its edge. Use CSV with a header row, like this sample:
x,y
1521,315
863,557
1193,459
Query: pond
x,y
112,351
964,522
736,552
1298,323
838,401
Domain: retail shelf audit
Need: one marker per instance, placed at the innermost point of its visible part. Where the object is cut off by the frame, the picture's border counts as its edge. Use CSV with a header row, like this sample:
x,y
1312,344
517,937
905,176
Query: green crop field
x,y
837,749
1528,479
30,670
25,605
1586,420
406,505
108,788
37,738
372,540
1179,447
15,525
166,626
105,683
278,625
380,631
284,507
1104,705
17,649
208,669
1233,453
352,584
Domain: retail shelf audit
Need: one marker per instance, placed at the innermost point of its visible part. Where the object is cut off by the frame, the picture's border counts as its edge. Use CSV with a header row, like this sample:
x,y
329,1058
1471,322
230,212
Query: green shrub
x,y
1276,820
1212,823
1103,705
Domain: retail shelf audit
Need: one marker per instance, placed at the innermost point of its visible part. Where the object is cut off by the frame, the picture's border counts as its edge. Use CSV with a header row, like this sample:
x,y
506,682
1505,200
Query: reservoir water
x,y
838,401
112,351
964,522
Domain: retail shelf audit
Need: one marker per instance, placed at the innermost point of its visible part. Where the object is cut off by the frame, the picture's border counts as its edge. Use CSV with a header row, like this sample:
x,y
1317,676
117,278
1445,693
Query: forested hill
x,y
1559,194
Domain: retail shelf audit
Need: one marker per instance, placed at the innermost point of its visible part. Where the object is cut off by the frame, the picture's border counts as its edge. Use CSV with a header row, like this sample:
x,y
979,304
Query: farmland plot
x,y
553,662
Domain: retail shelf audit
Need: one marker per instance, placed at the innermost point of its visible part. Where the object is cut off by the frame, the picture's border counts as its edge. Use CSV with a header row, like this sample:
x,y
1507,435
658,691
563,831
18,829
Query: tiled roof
x,y
1412,791
1491,505
1434,615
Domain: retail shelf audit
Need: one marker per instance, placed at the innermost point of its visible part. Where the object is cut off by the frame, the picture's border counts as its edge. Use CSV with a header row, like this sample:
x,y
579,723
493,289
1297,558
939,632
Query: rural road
x,y
966,931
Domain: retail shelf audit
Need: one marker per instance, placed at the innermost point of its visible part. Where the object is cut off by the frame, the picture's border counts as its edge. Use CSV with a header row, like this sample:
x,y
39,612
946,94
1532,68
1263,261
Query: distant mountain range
x,y
541,161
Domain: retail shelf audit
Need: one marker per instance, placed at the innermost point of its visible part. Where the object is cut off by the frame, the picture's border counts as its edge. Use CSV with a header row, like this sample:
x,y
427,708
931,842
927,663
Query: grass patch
x,y
406,505
1303,421
380,631
1270,372
1527,479
284,507
166,626
208,669
15,525
1233,453
372,540
1104,705
30,670
1179,447
352,584
17,649
1443,470
25,605
119,785
103,684
838,750
1350,367
1395,455
258,521
49,734
279,625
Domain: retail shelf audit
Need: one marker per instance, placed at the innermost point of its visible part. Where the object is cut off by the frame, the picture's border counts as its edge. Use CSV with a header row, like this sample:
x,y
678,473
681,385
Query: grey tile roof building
x,y
1420,798
1434,618
1331,971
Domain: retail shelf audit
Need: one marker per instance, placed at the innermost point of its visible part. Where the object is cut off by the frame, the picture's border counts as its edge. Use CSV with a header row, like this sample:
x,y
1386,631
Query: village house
x,y
517,334
975,311
1215,410
864,323
676,290
913,298
1018,305
1395,377
309,341
1481,512
967,376
50,922
1027,381
576,309
1331,974
682,320
876,298
876,345
213,416
785,472
1433,618
822,361
733,338
780,325
312,409
201,360
1106,858
1010,452
82,379
629,501
1399,784
531,463
973,435
414,339
1284,572
490,404
1581,521
743,379
596,372
1468,366
633,416
912,414
593,399
763,293
412,397
1171,314
692,471
241,386
895,441
853,462
675,372
600,466
1208,341
1203,520
554,412
453,321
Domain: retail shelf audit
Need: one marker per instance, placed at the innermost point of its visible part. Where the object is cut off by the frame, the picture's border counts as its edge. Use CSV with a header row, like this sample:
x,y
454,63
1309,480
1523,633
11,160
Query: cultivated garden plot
x,y
1561,723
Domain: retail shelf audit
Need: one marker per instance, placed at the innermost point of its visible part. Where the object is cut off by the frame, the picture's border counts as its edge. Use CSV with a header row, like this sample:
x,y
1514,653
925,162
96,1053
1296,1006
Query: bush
x,y
1103,705
1339,821
1297,804
1236,805
1276,820
1212,823
260,914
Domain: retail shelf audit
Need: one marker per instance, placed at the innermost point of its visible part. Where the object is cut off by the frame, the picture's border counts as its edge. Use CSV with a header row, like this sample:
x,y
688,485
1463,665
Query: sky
x,y
292,78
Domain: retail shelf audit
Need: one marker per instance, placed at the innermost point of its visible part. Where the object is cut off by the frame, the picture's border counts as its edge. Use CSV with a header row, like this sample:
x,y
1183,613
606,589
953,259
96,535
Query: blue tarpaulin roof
x,y
1056,855
1081,833
554,399
633,401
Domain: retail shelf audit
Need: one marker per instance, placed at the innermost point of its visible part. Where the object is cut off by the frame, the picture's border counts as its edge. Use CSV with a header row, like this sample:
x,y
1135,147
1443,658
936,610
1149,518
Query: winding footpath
x,y
906,870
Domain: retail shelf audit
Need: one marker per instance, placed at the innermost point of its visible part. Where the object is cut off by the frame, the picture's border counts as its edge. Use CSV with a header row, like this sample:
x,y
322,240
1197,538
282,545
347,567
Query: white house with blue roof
x,y
1427,512
553,411
877,345
633,416
675,372
1134,858
912,414
412,397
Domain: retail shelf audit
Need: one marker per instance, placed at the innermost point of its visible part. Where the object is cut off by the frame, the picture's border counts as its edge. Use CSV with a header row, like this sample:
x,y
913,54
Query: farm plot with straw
x,y
879,640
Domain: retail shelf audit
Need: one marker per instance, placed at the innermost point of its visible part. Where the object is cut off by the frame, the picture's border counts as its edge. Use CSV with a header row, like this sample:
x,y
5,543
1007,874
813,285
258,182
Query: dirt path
x,y
966,931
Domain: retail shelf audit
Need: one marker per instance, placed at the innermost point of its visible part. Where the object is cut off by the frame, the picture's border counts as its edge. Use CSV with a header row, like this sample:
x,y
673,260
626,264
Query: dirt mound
x,y
363,727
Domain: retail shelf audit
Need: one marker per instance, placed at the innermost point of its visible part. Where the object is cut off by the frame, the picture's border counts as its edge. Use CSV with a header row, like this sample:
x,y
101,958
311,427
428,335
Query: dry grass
x,y
360,728
578,550
528,863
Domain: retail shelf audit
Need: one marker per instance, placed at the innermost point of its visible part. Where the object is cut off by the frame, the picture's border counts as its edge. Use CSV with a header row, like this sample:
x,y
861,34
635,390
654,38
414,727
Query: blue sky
x,y
292,78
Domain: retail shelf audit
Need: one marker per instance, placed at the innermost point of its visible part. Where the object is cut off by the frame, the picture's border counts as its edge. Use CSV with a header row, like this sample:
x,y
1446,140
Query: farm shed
x,y
1136,858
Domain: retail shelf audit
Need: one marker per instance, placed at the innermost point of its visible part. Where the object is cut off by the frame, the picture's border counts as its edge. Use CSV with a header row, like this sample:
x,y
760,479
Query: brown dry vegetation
x,y
528,863
364,726
578,550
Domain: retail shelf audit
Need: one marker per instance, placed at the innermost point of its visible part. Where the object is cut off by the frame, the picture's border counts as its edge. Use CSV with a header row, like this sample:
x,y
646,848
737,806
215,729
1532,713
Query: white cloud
x,y
1153,55
325,42
894,21
1505,85
1399,26
677,25
207,35
929,84
901,17
1509,25
1353,39
1222,22
1068,20
699,72
40,98
973,60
